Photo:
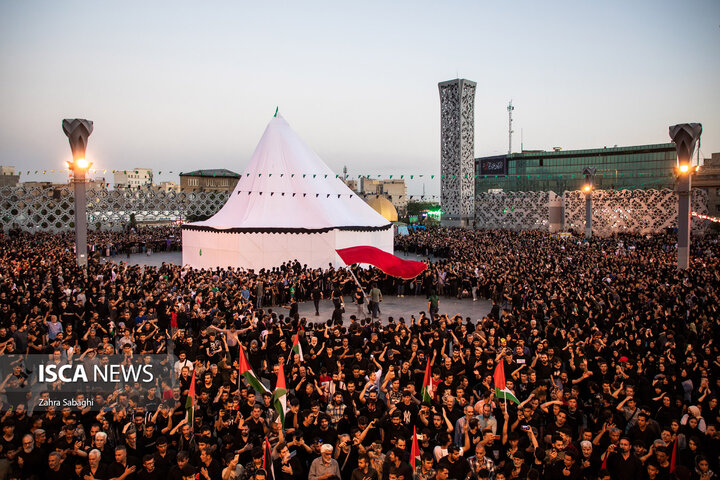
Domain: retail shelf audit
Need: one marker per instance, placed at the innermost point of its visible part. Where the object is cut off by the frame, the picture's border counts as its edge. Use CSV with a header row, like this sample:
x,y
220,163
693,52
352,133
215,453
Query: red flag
x,y
190,403
501,390
267,459
265,454
387,262
428,392
414,449
673,458
246,372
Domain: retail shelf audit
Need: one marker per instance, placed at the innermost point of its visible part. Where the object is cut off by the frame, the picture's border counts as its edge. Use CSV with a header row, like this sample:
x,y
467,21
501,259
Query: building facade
x,y
457,151
618,168
708,179
8,178
134,179
214,180
167,187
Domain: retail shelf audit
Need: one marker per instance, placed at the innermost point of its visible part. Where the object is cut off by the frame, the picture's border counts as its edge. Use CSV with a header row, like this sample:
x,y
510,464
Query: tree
x,y
414,208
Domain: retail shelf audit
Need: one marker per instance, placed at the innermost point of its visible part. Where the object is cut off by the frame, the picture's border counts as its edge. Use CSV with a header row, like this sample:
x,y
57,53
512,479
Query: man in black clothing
x,y
393,427
57,470
364,470
176,471
287,467
30,459
457,466
149,470
164,457
623,464
210,469
121,469
95,468
567,469
316,297
395,459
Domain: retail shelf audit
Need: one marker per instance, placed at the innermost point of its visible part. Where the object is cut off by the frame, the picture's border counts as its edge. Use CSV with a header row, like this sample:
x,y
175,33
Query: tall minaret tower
x,y
457,145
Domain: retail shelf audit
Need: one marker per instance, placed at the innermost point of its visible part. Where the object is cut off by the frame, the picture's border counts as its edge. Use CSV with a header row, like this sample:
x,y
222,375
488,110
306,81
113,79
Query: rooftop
x,y
213,172
606,151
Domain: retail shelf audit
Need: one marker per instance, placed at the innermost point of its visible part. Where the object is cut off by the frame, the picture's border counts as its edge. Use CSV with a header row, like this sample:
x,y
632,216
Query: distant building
x,y
133,179
95,184
352,184
708,179
394,190
218,180
54,189
8,178
618,168
41,185
167,187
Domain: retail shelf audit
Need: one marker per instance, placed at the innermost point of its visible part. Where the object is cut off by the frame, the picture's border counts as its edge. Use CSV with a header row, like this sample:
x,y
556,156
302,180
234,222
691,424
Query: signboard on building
x,y
493,165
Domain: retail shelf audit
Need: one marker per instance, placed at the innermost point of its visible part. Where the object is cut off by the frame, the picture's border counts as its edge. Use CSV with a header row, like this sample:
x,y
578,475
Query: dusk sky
x,y
185,85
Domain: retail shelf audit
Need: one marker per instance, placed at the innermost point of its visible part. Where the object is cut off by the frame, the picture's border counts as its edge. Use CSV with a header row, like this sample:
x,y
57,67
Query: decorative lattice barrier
x,y
514,210
632,211
52,209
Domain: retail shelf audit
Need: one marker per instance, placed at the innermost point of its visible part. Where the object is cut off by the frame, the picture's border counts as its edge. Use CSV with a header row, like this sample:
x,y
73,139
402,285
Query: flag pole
x,y
367,302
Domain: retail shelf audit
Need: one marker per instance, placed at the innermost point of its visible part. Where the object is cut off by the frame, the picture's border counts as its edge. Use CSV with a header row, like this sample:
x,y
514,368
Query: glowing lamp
x,y
684,168
82,164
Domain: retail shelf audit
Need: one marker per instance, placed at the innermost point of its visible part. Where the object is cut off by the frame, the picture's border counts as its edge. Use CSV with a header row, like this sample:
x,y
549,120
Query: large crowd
x,y
610,351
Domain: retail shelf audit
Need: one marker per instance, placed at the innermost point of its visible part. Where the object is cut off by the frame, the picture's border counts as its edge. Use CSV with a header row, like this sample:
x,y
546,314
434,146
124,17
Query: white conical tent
x,y
287,205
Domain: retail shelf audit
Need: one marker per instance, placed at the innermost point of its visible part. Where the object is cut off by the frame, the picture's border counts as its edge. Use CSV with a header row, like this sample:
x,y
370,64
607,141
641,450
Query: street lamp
x,y
78,130
684,136
589,173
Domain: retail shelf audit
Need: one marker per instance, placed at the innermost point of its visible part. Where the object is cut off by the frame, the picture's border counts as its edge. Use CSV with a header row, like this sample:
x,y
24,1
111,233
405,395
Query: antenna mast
x,y
510,109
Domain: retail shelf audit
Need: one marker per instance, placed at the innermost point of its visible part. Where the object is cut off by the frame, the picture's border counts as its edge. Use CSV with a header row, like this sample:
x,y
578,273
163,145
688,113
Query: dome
x,y
384,207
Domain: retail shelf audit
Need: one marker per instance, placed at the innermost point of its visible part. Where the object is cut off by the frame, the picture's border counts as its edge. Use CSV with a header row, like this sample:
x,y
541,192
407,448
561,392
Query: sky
x,y
180,85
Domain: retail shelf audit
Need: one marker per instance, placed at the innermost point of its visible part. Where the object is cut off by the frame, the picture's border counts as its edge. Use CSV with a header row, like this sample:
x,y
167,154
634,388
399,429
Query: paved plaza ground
x,y
404,307
391,306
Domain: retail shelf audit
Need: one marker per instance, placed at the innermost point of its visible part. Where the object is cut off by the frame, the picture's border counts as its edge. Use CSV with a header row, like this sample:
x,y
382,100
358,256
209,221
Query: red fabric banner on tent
x,y
387,262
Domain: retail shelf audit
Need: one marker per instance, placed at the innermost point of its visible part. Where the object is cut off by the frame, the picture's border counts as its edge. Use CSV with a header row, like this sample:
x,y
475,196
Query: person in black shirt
x,y
30,459
210,469
316,295
287,467
164,456
149,470
182,465
121,467
95,468
623,464
57,469
458,467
